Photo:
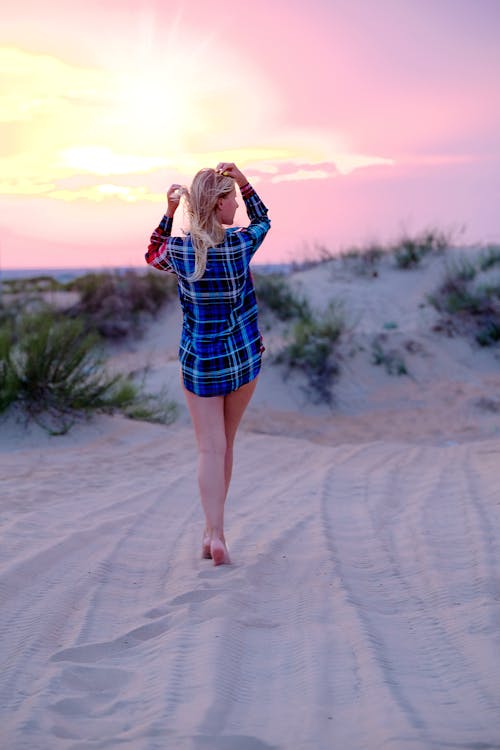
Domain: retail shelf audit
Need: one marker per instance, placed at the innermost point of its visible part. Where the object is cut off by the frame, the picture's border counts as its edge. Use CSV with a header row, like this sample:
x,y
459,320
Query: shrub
x,y
149,407
489,333
274,292
467,307
410,250
364,261
56,371
461,269
391,359
455,293
489,258
8,380
312,350
315,257
29,286
113,304
488,404
53,370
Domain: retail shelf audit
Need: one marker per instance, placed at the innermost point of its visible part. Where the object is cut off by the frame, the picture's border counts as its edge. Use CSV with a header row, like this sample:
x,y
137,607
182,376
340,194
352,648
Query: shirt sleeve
x,y
158,251
259,220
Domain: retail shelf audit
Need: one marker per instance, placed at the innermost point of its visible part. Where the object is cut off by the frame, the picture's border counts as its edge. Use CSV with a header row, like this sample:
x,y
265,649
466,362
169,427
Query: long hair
x,y
206,230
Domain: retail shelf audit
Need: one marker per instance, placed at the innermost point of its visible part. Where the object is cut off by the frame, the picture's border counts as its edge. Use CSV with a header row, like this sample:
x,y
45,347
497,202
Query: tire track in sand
x,y
388,541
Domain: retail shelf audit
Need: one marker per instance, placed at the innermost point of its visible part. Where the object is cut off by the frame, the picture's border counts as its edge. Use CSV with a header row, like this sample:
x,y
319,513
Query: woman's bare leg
x,y
207,415
235,404
215,420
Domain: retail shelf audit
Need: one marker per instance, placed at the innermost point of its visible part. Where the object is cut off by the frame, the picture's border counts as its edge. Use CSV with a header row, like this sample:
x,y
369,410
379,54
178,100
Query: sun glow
x,y
152,113
150,120
105,191
102,160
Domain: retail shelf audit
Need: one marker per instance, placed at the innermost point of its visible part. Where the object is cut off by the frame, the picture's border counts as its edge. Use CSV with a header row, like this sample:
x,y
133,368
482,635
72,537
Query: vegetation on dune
x,y
409,251
52,367
274,293
112,303
53,371
33,285
489,258
388,357
115,304
488,404
312,347
468,302
310,339
364,261
316,256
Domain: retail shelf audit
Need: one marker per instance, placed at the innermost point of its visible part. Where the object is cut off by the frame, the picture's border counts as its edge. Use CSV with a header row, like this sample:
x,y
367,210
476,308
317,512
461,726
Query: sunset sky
x,y
357,120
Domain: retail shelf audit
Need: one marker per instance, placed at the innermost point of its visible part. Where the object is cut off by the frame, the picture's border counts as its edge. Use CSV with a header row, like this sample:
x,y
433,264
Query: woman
x,y
220,348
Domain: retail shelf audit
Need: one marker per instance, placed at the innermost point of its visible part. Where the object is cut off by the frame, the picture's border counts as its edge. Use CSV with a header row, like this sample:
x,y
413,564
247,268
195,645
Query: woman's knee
x,y
214,444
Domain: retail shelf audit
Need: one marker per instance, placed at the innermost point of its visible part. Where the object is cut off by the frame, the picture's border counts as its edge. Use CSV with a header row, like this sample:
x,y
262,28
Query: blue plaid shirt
x,y
220,347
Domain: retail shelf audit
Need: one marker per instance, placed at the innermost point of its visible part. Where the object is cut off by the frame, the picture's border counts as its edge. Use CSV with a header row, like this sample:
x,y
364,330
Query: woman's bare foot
x,y
219,553
205,546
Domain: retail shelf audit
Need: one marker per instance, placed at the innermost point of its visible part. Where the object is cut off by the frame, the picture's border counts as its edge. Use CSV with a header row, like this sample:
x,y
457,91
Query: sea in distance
x,y
63,275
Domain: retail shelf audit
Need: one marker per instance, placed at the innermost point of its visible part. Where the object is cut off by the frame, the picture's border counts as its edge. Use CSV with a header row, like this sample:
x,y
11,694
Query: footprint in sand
x,y
93,652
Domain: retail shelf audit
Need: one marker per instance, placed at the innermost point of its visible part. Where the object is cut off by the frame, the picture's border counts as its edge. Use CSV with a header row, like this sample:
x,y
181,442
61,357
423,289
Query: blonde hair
x,y
206,230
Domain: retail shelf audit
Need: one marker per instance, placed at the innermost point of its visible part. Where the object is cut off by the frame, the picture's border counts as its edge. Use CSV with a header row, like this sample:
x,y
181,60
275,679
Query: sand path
x,y
361,611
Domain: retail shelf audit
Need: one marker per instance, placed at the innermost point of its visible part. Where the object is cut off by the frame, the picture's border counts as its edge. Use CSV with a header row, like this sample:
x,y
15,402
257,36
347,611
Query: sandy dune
x,y
362,608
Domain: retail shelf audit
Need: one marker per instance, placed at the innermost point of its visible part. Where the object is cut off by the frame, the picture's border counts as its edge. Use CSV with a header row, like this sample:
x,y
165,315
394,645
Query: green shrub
x,y
53,370
9,386
489,258
461,269
489,333
57,370
467,307
455,293
274,292
312,350
131,399
149,407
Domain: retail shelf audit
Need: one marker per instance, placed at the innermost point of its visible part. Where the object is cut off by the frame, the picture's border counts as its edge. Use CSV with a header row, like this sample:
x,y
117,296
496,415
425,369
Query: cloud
x,y
38,86
122,122
102,160
106,191
303,174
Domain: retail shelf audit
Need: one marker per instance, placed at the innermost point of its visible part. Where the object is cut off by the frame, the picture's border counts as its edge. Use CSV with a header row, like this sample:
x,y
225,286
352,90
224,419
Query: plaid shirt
x,y
220,348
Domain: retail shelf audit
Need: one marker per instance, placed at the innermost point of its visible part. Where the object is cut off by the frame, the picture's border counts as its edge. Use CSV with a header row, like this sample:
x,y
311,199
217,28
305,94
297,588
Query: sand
x,y
361,610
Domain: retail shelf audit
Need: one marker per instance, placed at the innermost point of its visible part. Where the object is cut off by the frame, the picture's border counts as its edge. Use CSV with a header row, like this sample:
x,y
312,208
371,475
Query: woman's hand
x,y
228,169
174,194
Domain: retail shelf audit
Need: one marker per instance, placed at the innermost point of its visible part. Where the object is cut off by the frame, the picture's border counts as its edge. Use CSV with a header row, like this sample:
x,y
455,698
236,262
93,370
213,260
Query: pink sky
x,y
356,120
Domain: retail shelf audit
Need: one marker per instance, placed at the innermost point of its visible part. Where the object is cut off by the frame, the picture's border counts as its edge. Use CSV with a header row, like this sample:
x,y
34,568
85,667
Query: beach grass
x,y
275,293
52,371
409,251
468,299
312,348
